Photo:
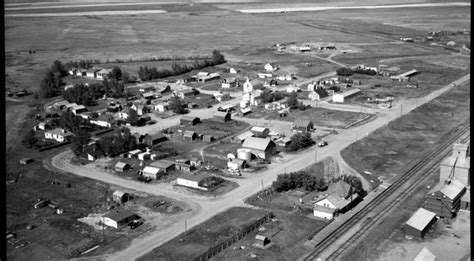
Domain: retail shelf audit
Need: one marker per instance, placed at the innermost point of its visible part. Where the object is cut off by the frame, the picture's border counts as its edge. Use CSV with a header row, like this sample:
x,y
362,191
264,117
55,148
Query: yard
x,y
199,239
410,136
323,117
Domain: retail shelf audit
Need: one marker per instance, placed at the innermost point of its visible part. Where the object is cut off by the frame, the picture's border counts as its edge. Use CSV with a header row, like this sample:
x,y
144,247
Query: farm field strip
x,y
87,5
131,12
326,8
387,200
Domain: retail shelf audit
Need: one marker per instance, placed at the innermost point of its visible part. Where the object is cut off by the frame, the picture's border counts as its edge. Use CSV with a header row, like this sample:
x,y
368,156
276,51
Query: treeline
x,y
268,96
299,179
344,71
81,64
146,73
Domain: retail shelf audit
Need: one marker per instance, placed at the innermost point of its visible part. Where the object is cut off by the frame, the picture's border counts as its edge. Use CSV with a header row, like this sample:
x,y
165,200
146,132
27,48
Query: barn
x,y
121,166
119,219
262,148
303,125
120,196
189,135
419,223
189,120
221,116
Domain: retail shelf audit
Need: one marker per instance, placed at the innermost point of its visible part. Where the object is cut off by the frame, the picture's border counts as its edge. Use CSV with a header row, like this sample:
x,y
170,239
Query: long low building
x,y
404,76
190,181
119,219
339,97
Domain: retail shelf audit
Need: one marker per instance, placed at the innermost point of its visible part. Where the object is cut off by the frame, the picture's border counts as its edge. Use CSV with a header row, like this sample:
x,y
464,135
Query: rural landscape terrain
x,y
237,130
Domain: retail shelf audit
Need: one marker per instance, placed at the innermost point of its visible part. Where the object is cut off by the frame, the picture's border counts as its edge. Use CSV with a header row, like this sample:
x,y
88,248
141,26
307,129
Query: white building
x,y
191,182
269,67
152,172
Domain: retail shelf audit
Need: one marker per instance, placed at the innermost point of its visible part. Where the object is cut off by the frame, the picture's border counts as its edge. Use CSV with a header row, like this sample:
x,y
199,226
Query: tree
x,y
50,85
177,105
356,184
79,141
300,141
217,57
292,100
344,71
29,139
132,117
299,179
116,73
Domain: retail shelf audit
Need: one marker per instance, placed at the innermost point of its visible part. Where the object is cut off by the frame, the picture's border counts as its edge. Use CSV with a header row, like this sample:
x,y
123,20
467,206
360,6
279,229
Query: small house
x,y
119,219
191,181
261,132
269,67
293,88
189,120
133,153
60,105
81,72
151,140
120,197
69,106
144,155
185,93
93,153
208,138
149,95
102,74
241,137
419,223
229,83
195,162
264,75
78,109
222,96
122,166
161,107
152,172
236,164
184,167
42,126
58,134
104,120
189,135
232,71
164,166
92,73
261,241
221,116
140,109
26,161
303,125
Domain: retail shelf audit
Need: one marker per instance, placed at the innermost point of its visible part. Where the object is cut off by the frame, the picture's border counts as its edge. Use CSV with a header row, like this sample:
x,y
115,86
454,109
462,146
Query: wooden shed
x,y
122,166
419,223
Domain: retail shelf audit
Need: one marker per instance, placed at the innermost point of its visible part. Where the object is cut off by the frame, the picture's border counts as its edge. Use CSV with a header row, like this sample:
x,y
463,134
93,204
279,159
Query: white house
x,y
161,107
339,97
190,181
232,71
285,77
314,96
236,164
264,75
58,134
119,219
124,114
92,73
104,120
229,83
152,172
269,67
293,88
102,74
311,86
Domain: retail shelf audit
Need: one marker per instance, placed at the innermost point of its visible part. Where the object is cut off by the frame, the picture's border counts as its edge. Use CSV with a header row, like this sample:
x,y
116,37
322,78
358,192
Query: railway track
x,y
402,188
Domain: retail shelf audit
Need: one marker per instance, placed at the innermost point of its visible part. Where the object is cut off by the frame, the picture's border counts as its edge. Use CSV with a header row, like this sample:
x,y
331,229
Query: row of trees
x,y
300,141
269,96
149,73
81,64
344,71
177,105
299,179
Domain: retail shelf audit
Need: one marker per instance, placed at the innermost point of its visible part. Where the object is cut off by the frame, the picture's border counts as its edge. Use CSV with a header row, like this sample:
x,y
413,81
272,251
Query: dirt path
x,y
15,116
204,208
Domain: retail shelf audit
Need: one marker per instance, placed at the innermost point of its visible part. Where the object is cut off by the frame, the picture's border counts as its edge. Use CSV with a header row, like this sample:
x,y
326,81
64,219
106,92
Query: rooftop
x,y
421,218
162,164
425,255
453,189
257,143
118,216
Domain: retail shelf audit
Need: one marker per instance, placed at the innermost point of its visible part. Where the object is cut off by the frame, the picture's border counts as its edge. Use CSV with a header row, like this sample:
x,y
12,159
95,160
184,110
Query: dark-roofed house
x,y
419,223
189,120
445,198
154,139
262,148
119,219
303,125
221,116
185,93
189,135
163,165
120,196
121,166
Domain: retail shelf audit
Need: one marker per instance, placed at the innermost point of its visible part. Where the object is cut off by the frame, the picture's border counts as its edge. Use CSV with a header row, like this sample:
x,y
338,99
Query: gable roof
x,y
121,165
258,129
257,143
302,123
221,113
342,188
421,218
188,118
118,216
162,164
324,209
244,135
189,133
339,202
149,169
119,193
425,255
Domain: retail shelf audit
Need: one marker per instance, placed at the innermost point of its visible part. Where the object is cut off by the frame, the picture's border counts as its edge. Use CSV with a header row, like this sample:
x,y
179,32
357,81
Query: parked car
x,y
134,224
322,143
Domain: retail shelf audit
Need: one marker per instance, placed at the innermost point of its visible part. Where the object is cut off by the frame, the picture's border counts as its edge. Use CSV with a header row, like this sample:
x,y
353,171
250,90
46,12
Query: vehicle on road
x,y
322,143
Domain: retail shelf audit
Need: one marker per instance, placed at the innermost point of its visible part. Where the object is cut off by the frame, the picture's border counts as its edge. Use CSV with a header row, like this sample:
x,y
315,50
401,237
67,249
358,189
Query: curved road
x,y
204,208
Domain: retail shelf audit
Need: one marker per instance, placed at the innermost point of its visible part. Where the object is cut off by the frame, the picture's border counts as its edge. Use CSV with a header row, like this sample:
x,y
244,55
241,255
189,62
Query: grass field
x,y
410,136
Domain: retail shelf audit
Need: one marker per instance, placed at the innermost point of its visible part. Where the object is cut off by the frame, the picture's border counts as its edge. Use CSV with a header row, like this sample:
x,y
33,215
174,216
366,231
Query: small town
x,y
237,130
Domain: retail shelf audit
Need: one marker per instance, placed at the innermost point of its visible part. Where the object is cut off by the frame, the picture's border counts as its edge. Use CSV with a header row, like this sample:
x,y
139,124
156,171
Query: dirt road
x,y
204,208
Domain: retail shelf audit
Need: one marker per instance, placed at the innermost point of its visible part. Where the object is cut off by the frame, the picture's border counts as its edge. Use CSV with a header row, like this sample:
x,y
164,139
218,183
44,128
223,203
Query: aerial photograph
x,y
237,130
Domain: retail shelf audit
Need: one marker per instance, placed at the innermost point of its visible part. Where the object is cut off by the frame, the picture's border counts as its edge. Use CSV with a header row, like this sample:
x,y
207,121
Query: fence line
x,y
214,250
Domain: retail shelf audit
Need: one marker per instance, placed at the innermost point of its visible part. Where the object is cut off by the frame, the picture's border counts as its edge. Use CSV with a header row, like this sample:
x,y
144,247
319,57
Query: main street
x,y
204,208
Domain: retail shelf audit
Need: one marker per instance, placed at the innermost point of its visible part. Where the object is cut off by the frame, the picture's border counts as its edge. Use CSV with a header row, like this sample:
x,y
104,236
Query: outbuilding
x,y
419,223
425,255
236,163
261,132
261,241
221,116
122,166
26,161
154,139
189,120
301,125
163,165
191,181
208,138
119,219
152,172
260,147
189,135
120,196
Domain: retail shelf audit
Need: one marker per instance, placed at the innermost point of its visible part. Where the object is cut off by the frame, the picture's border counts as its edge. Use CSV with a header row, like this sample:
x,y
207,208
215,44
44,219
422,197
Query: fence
x,y
227,243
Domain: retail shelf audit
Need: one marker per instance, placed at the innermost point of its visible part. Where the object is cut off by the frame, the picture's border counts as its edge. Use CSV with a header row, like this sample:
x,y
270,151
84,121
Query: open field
x,y
199,239
408,137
